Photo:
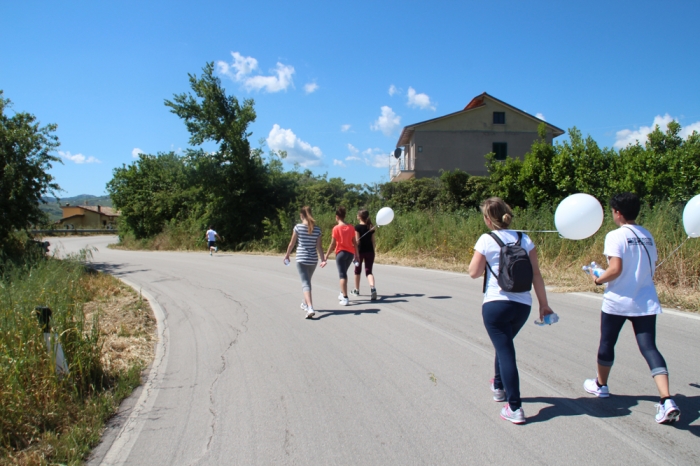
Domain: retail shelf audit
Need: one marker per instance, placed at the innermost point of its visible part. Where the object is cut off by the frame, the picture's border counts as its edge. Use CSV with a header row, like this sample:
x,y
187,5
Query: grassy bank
x,y
46,418
445,241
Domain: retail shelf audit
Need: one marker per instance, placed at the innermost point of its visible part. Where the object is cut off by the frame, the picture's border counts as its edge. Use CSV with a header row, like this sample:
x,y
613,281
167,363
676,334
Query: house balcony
x,y
402,169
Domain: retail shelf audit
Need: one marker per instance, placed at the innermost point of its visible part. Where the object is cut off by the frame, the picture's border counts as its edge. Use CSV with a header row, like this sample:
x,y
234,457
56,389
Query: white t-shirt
x,y
211,235
490,249
632,293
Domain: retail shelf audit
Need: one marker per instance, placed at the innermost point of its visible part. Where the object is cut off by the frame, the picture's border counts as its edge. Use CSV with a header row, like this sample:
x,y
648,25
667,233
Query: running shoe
x,y
210,252
303,306
591,386
310,312
667,412
344,302
516,417
498,393
340,297
356,292
374,294
216,248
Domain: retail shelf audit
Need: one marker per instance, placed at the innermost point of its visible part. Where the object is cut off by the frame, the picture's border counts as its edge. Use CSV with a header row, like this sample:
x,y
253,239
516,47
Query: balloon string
x,y
537,231
673,252
371,229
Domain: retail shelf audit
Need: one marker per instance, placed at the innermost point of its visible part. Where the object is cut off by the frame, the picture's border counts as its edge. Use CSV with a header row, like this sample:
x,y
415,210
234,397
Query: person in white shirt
x,y
631,295
211,236
504,312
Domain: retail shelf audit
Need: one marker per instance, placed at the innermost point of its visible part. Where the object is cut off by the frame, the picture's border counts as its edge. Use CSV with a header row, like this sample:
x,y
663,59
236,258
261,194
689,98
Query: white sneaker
x,y
516,417
310,312
355,292
216,248
340,297
668,412
344,301
303,306
498,393
210,252
591,386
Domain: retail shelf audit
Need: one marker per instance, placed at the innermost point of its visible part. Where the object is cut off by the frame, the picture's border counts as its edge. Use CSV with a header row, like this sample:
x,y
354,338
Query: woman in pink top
x,y
345,245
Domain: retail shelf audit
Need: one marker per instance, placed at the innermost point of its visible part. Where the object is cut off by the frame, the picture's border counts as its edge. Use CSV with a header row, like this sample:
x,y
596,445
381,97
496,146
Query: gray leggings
x,y
342,261
306,271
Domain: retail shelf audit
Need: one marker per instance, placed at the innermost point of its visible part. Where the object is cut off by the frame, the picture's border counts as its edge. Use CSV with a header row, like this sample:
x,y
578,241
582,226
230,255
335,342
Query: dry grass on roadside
x,y
126,324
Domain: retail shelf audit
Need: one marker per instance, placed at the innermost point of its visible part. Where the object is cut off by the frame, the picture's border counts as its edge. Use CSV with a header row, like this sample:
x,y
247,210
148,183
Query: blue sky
x,y
335,82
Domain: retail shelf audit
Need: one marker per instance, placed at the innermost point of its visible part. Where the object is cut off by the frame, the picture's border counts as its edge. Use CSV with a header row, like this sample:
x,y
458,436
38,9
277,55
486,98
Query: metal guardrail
x,y
73,232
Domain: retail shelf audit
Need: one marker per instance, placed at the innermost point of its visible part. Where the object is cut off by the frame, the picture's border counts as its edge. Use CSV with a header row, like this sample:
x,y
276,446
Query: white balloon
x,y
691,217
578,216
385,216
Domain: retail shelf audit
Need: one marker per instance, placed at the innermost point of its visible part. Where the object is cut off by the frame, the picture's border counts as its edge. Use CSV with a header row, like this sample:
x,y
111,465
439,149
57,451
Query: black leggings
x,y
645,332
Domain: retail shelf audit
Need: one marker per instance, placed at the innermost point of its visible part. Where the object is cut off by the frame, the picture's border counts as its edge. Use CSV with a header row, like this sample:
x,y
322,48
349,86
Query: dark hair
x,y
364,216
496,210
340,212
210,227
306,213
627,204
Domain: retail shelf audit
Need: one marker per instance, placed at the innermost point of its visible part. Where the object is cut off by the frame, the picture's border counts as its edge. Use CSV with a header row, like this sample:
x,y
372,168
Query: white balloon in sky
x,y
385,216
578,216
691,217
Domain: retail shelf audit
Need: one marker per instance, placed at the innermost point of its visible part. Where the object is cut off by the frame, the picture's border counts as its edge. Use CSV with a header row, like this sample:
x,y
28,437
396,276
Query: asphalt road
x,y
240,377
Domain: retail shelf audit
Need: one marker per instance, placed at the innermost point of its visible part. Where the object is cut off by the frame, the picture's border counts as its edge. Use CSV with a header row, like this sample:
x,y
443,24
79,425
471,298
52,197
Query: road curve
x,y
243,378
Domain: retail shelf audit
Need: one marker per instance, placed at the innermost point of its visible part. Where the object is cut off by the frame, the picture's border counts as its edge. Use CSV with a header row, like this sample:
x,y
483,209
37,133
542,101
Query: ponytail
x,y
306,213
364,216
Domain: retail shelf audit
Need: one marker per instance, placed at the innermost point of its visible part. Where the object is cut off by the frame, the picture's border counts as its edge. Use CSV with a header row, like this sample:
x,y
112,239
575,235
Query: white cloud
x,y
393,90
242,68
626,137
338,163
310,87
135,152
387,122
540,116
298,151
78,158
370,157
344,128
419,100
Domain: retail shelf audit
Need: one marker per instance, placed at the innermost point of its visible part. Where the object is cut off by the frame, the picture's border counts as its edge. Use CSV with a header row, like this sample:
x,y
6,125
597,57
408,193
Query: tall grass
x,y
42,414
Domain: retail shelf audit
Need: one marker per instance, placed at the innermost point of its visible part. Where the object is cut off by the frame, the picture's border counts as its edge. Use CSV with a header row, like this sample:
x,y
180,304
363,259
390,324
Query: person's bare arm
x,y
613,271
538,285
477,266
319,248
292,243
330,248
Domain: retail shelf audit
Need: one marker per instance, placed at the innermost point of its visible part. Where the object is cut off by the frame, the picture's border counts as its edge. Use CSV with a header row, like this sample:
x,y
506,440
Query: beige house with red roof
x,y
460,140
88,217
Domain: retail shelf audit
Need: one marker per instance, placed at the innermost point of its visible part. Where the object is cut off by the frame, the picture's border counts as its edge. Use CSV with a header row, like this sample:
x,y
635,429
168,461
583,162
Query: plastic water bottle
x,y
549,319
357,264
286,262
593,269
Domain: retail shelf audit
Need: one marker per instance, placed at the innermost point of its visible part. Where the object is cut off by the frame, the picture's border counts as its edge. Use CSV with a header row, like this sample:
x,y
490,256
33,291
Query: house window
x,y
499,118
500,149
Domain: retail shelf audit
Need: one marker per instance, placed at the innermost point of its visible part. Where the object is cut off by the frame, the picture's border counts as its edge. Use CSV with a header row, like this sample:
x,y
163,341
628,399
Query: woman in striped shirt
x,y
307,238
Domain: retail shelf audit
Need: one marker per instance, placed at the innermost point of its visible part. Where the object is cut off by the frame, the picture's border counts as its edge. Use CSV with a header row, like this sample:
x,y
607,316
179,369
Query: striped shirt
x,y
306,244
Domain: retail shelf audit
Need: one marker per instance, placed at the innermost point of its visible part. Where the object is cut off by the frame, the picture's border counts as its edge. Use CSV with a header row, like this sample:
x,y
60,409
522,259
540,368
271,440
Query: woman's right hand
x,y
545,310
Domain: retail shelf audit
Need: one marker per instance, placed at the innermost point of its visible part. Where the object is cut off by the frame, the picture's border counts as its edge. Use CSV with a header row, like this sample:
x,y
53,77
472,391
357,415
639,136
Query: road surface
x,y
240,377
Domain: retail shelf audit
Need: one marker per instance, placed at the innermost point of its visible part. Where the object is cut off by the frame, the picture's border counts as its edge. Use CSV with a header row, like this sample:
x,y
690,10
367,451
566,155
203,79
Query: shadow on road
x,y
615,406
114,269
324,314
439,297
387,299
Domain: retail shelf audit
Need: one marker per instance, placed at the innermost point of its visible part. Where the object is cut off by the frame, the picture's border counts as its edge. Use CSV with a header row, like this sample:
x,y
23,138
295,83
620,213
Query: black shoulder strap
x,y
500,244
651,267
498,240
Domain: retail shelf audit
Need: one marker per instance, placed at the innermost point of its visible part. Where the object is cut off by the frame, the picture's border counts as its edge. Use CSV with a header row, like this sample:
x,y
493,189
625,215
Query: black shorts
x,y
212,244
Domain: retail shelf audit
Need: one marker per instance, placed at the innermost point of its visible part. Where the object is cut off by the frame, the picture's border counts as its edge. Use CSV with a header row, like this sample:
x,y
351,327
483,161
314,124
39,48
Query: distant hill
x,y
53,208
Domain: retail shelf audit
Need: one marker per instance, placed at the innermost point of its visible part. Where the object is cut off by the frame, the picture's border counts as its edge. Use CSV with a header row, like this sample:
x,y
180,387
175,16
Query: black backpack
x,y
515,270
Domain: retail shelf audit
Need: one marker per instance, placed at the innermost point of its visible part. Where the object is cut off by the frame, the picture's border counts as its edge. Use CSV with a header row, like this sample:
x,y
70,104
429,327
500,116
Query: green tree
x,y
152,191
238,185
25,159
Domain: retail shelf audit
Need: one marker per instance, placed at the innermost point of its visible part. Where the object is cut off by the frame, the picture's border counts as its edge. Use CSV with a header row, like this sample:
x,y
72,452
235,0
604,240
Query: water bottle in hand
x,y
593,269
286,262
549,319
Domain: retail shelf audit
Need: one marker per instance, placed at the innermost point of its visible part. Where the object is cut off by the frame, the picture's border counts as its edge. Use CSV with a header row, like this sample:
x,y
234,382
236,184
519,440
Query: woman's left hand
x,y
545,310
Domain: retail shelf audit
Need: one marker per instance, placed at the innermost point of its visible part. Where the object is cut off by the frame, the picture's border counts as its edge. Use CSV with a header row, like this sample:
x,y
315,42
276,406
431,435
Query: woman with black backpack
x,y
509,260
